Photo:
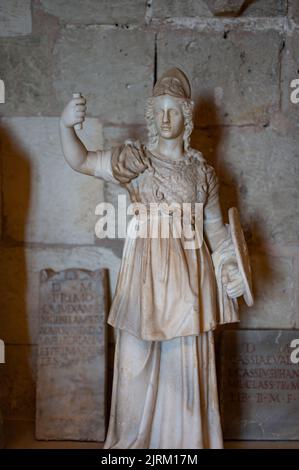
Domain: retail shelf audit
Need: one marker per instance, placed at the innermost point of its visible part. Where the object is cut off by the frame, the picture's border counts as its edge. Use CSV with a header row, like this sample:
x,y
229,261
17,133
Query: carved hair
x,y
187,109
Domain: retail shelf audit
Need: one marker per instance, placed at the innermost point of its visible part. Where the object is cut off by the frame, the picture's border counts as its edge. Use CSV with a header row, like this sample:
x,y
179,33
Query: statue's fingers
x,y
79,119
80,107
235,294
234,272
225,279
127,173
235,288
80,99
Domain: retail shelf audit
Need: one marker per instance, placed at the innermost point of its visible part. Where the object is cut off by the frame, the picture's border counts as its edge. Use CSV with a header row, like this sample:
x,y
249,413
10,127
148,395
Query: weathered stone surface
x,y
258,173
2,91
208,142
258,170
20,435
293,10
71,367
95,11
296,271
266,8
116,75
274,291
263,8
225,7
17,382
30,59
15,17
19,283
41,210
289,73
259,389
114,135
231,76
176,8
208,8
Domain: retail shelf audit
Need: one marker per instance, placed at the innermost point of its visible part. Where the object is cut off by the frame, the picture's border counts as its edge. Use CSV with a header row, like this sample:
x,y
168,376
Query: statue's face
x,y
169,118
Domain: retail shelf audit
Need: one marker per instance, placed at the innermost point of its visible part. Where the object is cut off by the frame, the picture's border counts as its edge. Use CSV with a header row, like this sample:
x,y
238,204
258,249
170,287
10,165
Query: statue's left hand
x,y
232,279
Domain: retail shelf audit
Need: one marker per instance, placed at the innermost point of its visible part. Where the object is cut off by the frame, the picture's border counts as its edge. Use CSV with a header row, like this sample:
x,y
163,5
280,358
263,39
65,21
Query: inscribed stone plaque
x,y
71,356
259,385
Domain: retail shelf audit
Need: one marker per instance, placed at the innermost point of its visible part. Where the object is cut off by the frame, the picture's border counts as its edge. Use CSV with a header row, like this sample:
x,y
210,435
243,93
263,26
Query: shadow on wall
x,y
208,139
229,9
17,387
208,136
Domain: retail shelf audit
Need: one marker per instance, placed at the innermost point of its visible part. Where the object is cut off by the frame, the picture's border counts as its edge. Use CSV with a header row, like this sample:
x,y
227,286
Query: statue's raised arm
x,y
118,165
75,152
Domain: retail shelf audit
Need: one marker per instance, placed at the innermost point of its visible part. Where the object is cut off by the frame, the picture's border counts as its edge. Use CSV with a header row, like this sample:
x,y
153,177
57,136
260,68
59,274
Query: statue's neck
x,y
170,148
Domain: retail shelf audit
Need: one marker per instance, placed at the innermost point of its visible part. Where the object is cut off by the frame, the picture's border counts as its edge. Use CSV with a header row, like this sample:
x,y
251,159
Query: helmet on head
x,y
173,82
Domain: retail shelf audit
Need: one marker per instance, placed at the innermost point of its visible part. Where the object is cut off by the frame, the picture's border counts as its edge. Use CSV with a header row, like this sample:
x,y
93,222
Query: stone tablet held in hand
x,y
71,355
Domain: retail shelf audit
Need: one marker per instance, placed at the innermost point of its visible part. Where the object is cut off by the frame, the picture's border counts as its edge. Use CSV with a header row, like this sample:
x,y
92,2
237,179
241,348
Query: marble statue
x,y
169,299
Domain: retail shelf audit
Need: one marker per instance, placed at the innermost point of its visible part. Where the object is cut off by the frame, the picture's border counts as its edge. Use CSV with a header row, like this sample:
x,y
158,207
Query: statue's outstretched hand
x,y
74,112
232,279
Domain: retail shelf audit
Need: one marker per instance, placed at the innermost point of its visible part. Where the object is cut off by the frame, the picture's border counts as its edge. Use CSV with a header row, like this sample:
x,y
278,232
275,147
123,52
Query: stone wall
x,y
241,57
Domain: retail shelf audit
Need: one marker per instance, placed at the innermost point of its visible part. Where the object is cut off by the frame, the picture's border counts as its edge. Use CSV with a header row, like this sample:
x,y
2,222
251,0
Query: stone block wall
x,y
241,58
